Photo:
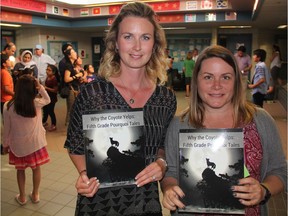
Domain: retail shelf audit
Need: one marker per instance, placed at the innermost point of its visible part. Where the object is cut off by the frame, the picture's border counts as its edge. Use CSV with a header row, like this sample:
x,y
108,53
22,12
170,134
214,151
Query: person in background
x,y
7,85
51,86
131,75
244,64
24,136
90,72
62,63
73,79
10,49
261,77
217,101
169,69
25,62
42,60
188,68
79,69
276,57
275,68
195,53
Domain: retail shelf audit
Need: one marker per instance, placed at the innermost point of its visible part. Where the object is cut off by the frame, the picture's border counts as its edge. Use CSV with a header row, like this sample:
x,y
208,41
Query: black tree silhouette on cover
x,y
127,164
216,190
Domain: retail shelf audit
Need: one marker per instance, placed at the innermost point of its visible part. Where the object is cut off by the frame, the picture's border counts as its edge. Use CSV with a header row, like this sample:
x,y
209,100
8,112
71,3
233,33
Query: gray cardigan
x,y
273,162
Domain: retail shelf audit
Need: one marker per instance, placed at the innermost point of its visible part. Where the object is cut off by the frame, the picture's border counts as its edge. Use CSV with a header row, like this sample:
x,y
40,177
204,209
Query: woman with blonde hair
x,y
131,75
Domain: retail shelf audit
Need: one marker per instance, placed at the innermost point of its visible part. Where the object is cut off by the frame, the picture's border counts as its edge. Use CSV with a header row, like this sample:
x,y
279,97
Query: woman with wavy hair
x,y
131,75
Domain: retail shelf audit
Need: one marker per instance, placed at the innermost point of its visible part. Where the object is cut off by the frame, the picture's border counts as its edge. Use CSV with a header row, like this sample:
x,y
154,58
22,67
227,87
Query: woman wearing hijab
x,y
25,62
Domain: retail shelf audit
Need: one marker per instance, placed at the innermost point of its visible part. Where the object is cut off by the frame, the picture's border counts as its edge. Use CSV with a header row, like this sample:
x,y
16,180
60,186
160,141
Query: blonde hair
x,y
156,67
243,110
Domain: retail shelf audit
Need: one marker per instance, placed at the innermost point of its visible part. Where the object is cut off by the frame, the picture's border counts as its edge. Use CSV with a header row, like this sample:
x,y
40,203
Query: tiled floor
x,y
57,191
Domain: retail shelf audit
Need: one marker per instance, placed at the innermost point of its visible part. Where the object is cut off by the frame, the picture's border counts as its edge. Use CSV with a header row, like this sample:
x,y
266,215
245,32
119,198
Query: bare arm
x,y
8,91
248,68
78,161
251,86
68,78
85,186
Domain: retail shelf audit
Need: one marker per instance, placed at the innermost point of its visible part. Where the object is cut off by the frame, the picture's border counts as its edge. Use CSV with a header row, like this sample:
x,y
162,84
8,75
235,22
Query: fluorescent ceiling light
x,y
10,25
99,2
234,27
255,5
86,2
167,28
282,26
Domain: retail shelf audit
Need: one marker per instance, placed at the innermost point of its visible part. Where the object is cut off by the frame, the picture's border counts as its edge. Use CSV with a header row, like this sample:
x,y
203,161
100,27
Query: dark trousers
x,y
48,110
258,99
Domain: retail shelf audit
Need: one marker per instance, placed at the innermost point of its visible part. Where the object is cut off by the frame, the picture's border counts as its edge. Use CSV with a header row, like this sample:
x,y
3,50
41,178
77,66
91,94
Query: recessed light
x,y
168,28
10,25
235,27
282,26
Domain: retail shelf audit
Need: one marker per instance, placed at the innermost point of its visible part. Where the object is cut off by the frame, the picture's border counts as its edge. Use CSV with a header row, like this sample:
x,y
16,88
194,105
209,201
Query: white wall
x,y
28,38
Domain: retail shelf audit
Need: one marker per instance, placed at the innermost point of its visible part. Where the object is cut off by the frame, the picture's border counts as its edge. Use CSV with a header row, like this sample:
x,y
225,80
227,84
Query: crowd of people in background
x,y
45,69
39,61
215,83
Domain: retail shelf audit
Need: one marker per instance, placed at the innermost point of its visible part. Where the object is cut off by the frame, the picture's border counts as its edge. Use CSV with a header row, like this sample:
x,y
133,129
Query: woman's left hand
x,y
248,191
154,172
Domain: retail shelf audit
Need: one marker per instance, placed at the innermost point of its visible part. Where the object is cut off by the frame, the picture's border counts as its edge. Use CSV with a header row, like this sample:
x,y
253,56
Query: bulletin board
x,y
180,45
55,49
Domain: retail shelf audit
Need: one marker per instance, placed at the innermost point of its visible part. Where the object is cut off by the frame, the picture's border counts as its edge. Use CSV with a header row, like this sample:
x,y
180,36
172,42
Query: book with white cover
x,y
211,161
114,146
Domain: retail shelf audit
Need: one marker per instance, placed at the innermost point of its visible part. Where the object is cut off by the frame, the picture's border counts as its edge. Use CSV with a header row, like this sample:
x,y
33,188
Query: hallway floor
x,y
57,191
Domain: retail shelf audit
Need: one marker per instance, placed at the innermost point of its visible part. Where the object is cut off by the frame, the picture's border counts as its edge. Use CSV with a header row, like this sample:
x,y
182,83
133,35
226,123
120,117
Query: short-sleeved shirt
x,y
51,83
189,66
6,80
261,71
243,62
276,61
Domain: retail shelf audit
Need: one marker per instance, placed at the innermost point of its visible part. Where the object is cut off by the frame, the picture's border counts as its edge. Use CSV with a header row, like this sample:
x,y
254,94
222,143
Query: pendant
x,y
131,101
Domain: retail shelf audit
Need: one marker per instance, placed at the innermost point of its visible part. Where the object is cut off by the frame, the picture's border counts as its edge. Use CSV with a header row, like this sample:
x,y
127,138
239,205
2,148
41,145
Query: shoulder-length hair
x,y
23,99
156,67
243,110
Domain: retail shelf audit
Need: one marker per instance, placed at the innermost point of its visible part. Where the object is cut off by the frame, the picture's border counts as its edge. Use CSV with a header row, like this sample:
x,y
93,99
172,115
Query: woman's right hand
x,y
87,187
171,198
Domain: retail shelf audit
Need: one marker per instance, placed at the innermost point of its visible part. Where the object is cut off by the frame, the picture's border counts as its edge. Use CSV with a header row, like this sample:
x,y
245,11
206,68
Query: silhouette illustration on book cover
x,y
118,165
215,189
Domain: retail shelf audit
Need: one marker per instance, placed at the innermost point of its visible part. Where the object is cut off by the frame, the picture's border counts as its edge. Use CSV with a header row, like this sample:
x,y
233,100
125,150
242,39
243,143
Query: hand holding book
x,y
85,186
249,191
171,199
154,172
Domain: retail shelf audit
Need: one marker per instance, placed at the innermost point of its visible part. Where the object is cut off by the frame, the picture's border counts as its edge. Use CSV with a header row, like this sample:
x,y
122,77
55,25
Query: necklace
x,y
131,100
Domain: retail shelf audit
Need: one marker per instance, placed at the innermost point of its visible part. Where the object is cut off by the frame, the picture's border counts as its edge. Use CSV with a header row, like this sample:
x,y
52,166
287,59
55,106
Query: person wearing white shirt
x,y
42,60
